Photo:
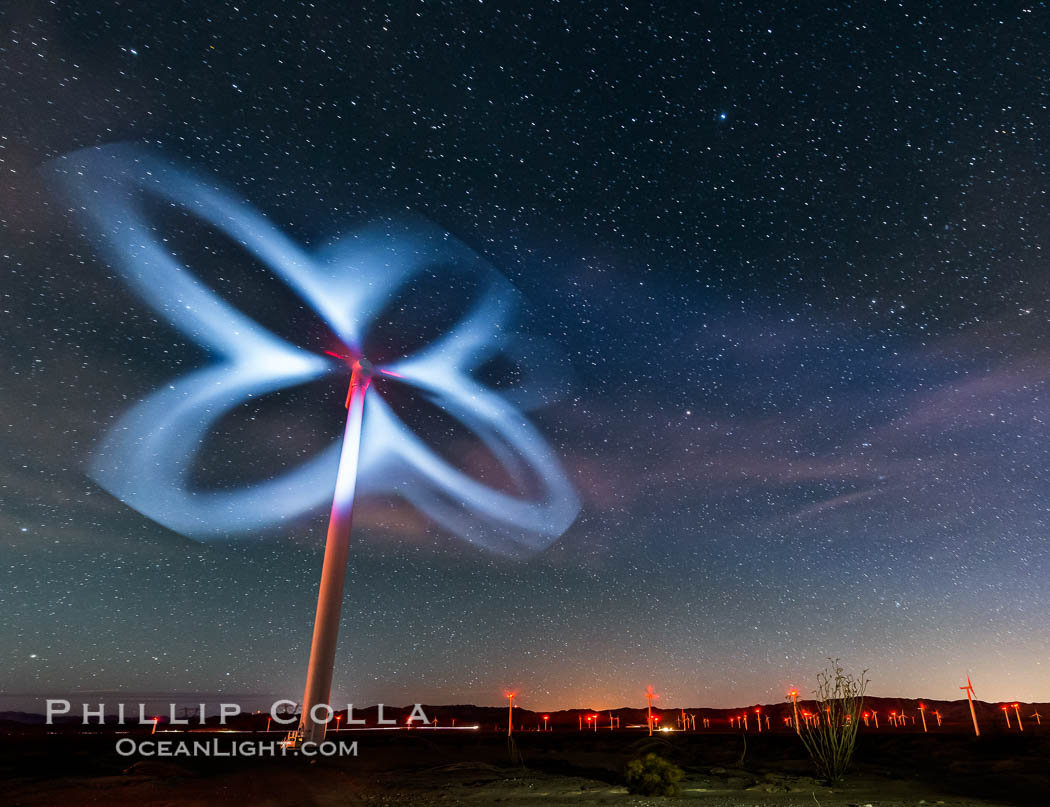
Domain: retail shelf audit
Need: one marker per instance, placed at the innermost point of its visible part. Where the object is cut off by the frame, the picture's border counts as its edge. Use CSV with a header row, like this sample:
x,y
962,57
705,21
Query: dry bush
x,y
831,737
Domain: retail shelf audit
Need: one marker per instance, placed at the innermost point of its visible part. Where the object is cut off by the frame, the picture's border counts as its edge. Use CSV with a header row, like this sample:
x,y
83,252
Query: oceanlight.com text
x,y
128,747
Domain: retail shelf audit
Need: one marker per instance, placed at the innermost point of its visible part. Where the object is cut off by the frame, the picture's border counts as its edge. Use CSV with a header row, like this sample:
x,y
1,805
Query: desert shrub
x,y
831,737
653,775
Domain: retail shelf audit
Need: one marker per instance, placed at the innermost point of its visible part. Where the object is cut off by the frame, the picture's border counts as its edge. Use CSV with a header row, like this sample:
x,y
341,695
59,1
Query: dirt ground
x,y
435,768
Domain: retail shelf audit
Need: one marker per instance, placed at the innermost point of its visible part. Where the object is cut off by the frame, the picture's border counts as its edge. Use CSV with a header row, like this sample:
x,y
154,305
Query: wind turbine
x,y
969,697
1037,716
510,712
1017,712
147,457
793,694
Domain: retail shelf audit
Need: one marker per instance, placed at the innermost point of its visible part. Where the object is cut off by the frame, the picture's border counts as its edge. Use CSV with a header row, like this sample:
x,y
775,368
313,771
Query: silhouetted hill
x,y
954,715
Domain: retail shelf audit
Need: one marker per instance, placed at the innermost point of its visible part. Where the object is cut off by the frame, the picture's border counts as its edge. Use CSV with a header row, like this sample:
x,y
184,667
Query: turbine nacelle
x,y
361,372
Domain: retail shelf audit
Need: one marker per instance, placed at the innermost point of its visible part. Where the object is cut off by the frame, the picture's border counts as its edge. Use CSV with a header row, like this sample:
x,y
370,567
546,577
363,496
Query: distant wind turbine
x,y
969,696
793,694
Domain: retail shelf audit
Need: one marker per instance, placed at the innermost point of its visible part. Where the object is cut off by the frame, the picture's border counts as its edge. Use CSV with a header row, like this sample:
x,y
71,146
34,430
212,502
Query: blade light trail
x,y
147,458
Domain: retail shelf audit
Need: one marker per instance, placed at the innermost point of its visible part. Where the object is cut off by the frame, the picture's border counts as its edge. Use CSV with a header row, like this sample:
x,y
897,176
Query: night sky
x,y
787,266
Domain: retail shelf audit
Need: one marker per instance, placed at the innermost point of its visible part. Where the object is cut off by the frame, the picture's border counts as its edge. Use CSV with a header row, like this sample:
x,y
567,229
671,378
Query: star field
x,y
794,259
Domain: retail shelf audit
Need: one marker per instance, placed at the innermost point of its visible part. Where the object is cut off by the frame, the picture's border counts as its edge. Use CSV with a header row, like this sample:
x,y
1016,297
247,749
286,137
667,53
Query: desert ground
x,y
554,768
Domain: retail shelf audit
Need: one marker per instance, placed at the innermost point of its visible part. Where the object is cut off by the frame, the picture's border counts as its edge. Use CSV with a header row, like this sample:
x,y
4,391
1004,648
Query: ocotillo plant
x,y
830,744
